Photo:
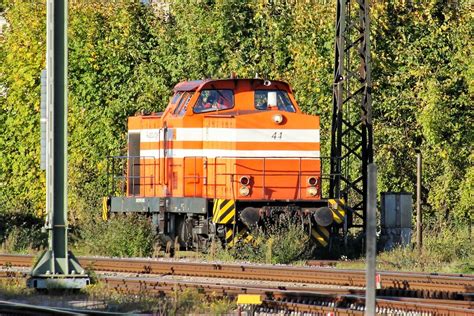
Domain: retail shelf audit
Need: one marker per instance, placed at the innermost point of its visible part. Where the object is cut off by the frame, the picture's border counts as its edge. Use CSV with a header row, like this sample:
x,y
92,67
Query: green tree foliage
x,y
113,74
423,100
125,57
21,60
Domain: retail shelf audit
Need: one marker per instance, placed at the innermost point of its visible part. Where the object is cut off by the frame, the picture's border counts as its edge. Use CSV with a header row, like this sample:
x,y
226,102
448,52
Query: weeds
x,y
218,252
122,236
190,301
14,286
278,244
449,251
125,302
21,233
178,303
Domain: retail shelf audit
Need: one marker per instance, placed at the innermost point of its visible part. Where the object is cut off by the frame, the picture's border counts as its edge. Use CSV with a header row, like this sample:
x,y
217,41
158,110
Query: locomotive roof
x,y
196,85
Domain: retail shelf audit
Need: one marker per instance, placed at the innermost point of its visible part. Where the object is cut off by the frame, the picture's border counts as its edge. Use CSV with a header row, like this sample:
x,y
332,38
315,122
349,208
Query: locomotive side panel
x,y
152,159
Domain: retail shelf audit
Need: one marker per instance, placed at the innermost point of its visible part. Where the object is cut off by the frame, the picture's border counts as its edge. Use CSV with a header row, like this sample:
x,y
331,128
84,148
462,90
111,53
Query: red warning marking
x,y
378,281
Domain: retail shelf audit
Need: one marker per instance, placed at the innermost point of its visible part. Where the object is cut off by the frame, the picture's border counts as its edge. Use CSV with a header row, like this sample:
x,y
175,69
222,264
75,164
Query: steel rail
x,y
447,286
422,285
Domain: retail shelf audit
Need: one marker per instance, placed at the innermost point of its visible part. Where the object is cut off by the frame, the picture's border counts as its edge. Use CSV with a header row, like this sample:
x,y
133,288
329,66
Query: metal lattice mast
x,y
351,136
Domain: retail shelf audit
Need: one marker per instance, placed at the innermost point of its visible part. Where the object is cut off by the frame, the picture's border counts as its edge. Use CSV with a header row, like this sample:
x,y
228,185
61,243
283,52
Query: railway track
x,y
339,301
423,285
345,297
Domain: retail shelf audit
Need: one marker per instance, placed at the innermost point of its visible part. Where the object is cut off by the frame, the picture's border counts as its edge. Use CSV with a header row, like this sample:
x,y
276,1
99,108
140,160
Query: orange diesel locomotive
x,y
223,158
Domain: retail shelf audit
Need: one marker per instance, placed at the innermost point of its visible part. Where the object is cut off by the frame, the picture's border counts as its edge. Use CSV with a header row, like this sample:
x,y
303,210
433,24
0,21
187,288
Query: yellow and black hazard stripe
x,y
232,238
320,234
338,208
223,211
229,235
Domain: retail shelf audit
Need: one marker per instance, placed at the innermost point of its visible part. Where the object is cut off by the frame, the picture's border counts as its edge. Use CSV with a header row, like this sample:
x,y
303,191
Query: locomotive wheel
x,y
185,233
200,243
166,243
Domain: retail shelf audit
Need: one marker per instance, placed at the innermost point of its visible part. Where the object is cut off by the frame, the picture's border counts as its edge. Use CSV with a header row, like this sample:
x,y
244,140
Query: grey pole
x,y
419,225
57,267
371,240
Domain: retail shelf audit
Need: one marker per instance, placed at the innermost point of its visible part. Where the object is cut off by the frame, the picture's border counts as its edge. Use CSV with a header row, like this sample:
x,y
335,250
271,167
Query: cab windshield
x,y
265,99
213,100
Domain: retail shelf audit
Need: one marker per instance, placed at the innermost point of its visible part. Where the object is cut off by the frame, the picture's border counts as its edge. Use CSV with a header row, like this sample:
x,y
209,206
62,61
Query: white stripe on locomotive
x,y
232,135
215,153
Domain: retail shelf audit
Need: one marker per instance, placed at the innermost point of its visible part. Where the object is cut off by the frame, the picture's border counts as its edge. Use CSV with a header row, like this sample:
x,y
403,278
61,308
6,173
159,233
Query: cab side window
x,y
176,97
183,104
214,100
264,99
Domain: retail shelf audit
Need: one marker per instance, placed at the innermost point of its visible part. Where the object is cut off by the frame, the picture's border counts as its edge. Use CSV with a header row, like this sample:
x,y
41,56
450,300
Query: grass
x,y
99,297
449,251
184,302
11,287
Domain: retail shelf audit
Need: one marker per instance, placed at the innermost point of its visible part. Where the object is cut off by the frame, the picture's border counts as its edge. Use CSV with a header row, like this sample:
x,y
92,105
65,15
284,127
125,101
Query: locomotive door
x,y
133,172
194,175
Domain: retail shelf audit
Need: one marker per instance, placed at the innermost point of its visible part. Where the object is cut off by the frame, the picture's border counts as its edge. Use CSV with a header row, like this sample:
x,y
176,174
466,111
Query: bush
x,y
450,244
450,250
121,236
21,233
286,244
280,243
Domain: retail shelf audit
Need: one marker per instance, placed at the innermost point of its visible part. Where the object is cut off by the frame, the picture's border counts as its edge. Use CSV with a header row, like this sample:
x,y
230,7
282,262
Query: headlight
x,y
312,181
244,180
244,191
312,191
278,118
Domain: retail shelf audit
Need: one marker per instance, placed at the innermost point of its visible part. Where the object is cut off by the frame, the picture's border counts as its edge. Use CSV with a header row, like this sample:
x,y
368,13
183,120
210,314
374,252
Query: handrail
x,y
128,173
263,173
149,173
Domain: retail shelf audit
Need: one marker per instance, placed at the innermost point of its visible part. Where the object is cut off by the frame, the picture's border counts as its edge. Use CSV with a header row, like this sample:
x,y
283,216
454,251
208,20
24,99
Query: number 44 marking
x,y
277,135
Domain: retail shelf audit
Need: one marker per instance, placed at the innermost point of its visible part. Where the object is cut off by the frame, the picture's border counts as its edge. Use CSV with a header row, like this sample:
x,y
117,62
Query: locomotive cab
x,y
222,157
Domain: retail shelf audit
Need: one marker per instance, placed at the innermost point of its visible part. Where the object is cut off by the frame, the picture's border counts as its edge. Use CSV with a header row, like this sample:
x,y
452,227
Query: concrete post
x,y
419,225
371,240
